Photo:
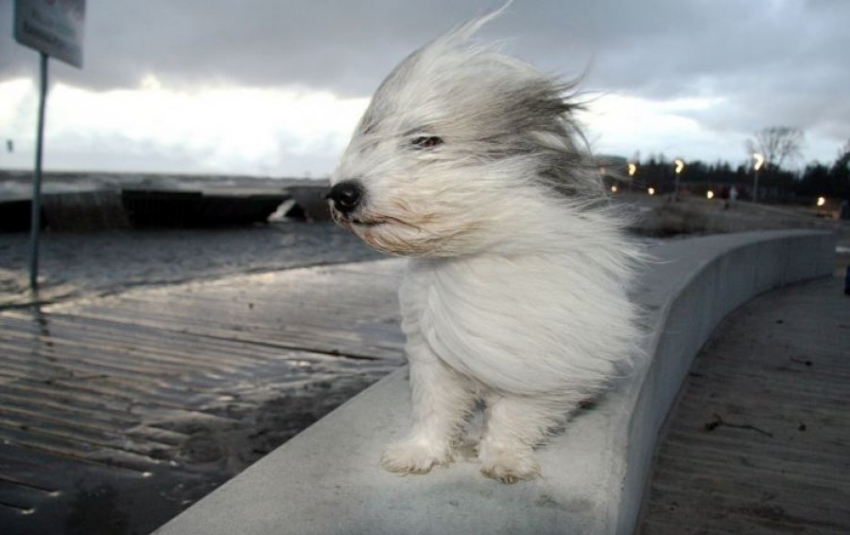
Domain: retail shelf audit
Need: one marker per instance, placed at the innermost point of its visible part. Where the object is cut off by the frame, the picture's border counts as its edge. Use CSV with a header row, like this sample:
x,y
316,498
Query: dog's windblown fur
x,y
467,162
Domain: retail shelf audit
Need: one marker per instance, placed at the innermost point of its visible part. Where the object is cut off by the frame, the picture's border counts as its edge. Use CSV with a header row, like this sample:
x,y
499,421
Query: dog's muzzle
x,y
346,196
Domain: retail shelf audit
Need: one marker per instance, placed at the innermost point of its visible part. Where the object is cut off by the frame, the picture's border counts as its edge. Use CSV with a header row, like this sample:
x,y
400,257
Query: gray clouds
x,y
770,62
331,45
663,47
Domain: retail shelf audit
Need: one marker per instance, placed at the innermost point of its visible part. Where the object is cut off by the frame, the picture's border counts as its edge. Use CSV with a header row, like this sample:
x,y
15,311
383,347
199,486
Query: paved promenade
x,y
760,439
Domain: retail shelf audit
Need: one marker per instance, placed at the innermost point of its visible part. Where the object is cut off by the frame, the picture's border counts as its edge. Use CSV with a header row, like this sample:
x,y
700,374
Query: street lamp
x,y
759,160
632,171
679,166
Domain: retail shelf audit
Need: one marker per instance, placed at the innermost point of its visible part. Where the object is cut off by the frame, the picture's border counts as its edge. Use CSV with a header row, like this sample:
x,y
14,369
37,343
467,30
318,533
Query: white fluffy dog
x,y
466,161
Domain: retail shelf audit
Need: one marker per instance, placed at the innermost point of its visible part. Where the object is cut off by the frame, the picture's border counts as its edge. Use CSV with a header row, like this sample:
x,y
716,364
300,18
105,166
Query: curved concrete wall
x,y
703,280
326,480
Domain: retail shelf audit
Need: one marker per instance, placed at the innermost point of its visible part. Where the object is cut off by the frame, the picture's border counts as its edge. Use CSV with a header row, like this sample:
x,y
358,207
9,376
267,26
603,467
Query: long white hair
x,y
467,152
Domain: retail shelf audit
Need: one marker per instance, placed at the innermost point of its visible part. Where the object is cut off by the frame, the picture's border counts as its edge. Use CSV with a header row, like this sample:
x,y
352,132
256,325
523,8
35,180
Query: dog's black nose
x,y
346,196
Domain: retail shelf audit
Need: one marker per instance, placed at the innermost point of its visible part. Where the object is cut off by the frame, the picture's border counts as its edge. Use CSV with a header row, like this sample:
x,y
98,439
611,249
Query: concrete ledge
x,y
326,480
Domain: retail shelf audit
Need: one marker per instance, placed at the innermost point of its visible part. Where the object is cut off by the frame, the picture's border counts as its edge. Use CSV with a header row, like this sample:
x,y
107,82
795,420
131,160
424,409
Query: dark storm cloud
x,y
768,62
663,44
338,45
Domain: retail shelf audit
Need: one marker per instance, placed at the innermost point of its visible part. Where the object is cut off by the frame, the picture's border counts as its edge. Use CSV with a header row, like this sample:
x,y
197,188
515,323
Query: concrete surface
x,y
327,479
759,438
118,412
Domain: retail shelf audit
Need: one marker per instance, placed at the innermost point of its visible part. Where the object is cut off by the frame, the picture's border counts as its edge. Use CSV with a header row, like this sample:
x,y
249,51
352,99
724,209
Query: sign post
x,y
35,217
53,28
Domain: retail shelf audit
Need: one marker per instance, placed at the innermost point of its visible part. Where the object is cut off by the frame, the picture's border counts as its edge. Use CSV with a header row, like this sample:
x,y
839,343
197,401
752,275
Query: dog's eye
x,y
426,142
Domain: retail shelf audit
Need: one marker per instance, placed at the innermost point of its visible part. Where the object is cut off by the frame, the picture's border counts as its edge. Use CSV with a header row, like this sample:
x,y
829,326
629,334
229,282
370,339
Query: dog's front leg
x,y
441,400
513,426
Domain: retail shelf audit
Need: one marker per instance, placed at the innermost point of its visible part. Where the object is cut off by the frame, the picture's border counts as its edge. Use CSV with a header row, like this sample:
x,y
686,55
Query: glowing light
x,y
613,189
821,201
651,191
679,166
759,160
632,169
709,195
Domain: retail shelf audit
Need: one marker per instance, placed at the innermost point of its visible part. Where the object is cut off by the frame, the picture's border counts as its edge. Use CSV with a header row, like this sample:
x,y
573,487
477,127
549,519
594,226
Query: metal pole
x,y
676,191
756,186
35,219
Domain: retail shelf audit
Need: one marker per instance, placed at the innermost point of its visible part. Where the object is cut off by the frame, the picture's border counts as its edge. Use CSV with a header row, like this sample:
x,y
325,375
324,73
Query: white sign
x,y
54,27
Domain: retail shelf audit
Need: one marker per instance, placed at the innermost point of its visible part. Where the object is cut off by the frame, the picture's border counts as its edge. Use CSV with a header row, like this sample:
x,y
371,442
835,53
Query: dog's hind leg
x,y
441,400
513,426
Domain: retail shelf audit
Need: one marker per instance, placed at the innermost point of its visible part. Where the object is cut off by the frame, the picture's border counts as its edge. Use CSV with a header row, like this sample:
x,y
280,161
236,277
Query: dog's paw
x,y
413,458
509,467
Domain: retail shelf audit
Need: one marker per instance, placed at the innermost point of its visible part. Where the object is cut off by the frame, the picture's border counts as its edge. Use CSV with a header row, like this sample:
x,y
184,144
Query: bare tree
x,y
777,144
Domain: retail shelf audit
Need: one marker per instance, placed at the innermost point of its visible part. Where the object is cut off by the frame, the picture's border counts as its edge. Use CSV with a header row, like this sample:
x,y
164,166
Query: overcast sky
x,y
274,87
